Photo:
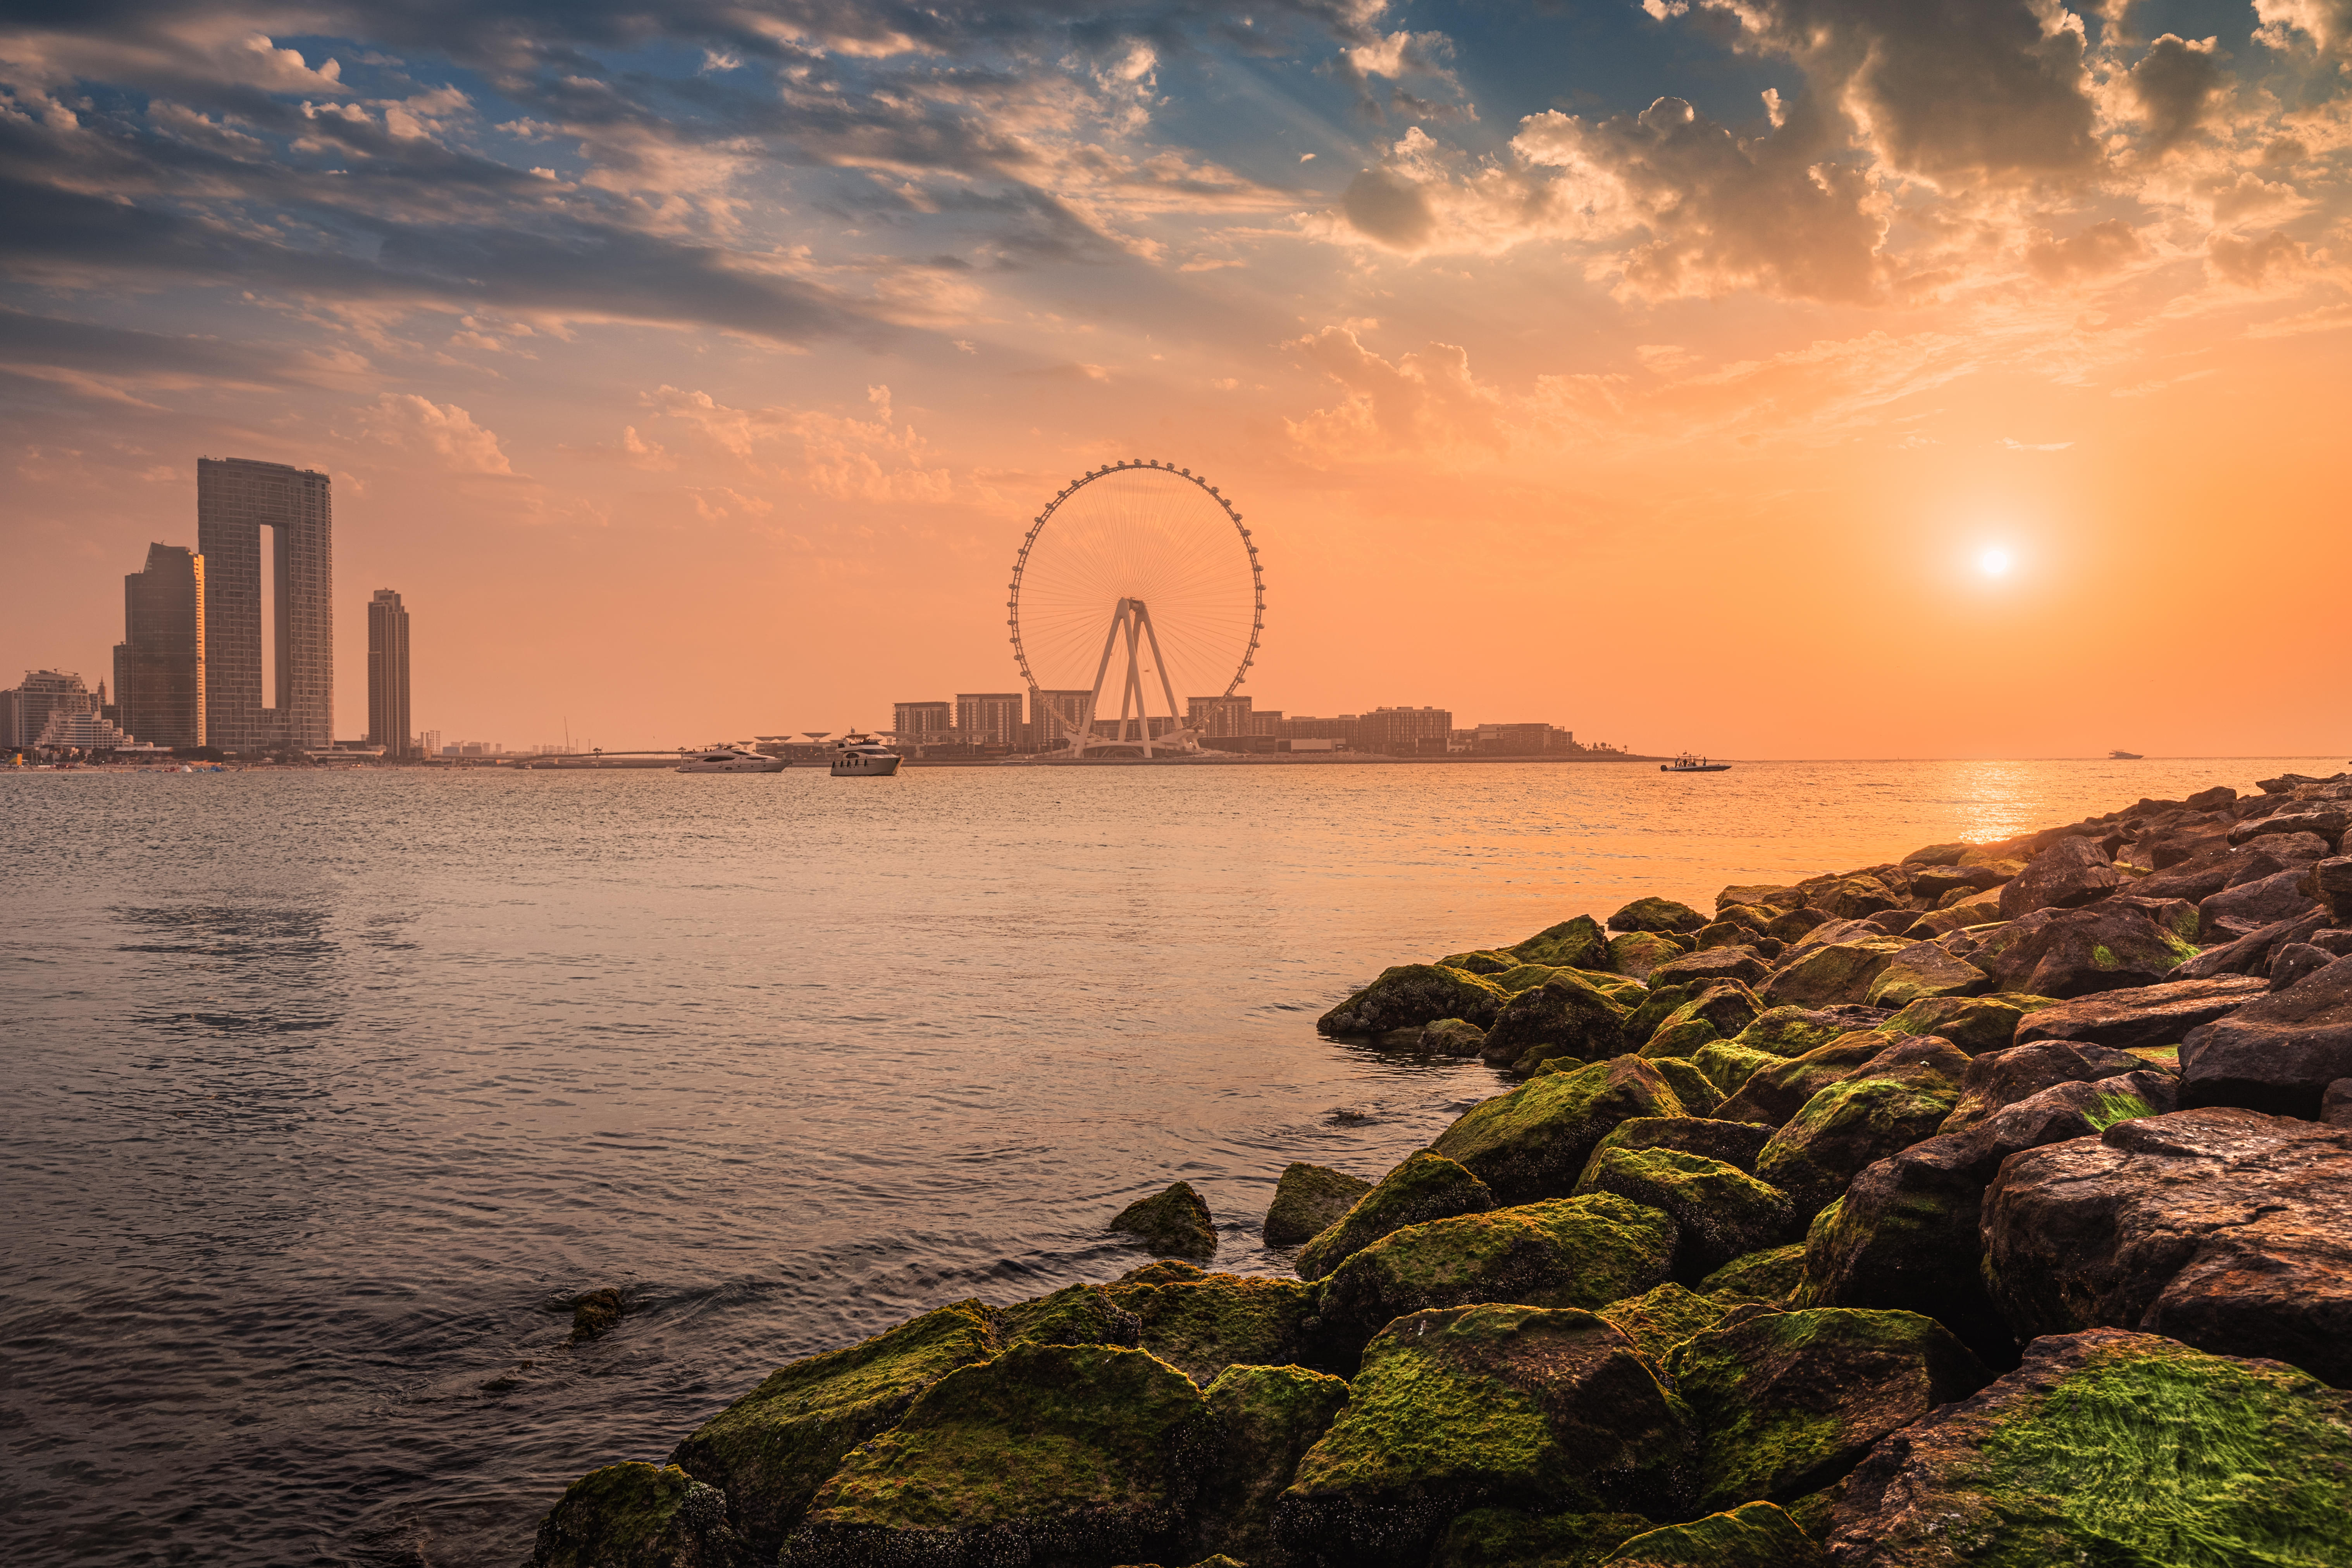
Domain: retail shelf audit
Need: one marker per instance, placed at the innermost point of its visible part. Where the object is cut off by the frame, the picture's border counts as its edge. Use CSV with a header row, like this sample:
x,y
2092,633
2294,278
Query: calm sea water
x,y
320,1085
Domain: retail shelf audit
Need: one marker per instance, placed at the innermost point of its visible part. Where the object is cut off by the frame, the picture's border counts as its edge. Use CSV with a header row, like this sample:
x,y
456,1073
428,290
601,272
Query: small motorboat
x,y
1687,763
863,757
732,760
2123,756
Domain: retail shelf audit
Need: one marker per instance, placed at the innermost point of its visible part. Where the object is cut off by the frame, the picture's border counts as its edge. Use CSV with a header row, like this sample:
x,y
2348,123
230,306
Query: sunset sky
x,y
1665,369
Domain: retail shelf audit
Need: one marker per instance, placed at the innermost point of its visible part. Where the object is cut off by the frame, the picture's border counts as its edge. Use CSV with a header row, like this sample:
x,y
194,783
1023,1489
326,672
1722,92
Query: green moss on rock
x,y
1639,953
1487,961
1850,1125
1791,1031
1566,1015
640,1516
1661,1318
1975,1024
1727,1064
1307,1199
1682,1037
1578,944
595,1314
1721,1211
1426,1186
1202,1326
1696,1095
1777,1091
1833,973
1412,994
1507,1538
1266,1419
1533,1141
1049,1451
1079,1315
1755,1535
1773,1274
1173,1222
1451,1038
770,1449
1656,915
1500,1406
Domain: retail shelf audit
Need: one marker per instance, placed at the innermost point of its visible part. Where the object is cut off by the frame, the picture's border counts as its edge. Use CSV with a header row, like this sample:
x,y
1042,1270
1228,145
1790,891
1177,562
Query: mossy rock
x,y
1850,1125
1426,1186
1792,1401
1833,973
1774,1274
1451,1038
1975,1024
1849,898
1728,1063
1173,1222
1733,1143
1533,1141
1202,1326
1507,1538
1077,1315
1566,1252
1698,1097
595,1314
1777,1091
1578,944
1727,1005
1489,961
1050,1452
1266,1418
1734,963
1658,1004
1924,971
1566,1015
1500,1405
1307,1199
1661,1318
1656,915
1639,953
1754,1535
639,1516
1412,994
1722,1212
1680,1037
1791,1031
2114,1448
1774,896
771,1449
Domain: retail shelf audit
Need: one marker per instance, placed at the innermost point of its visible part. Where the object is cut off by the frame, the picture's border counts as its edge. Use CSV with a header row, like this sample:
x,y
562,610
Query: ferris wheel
x,y
1144,559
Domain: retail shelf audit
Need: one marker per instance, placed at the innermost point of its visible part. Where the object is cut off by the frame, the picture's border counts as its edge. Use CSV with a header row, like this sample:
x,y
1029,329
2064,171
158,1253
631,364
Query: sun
x,y
1995,561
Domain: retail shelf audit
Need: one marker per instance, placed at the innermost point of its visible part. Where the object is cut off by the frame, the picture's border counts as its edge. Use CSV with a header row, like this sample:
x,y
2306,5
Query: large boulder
x,y
1640,953
1533,1141
1831,973
1202,1323
1426,1186
1727,1064
1566,1252
1924,969
1721,1211
2160,1015
1774,896
2327,819
1738,963
1698,1097
1973,1024
1772,1277
2248,908
1049,1452
1661,1318
2331,884
2072,952
1266,1419
771,1449
640,1516
1496,1405
1753,1535
1075,1315
2113,1449
1564,1017
2251,954
1850,1125
2279,1052
1173,1222
2221,1227
1735,1143
1510,1538
1851,897
1791,1031
1307,1199
1578,944
1777,1091
2066,876
1412,994
1790,1402
1656,914
1714,1010
2000,1079
1933,883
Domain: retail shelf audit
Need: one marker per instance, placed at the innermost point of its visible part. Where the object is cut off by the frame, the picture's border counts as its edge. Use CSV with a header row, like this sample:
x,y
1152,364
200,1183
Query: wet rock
x,y
2155,1015
1735,1143
1412,994
1792,925
2223,1227
595,1314
1790,1402
2279,1052
1851,897
1934,882
2249,907
1791,1031
2073,952
1831,973
1508,1538
1773,896
1077,1315
1721,1210
1640,953
1562,1017
1568,1252
1778,1091
2068,874
1753,1535
1173,1222
1048,1452
1656,915
2324,819
2295,960
1266,1418
1202,1326
1726,1006
771,1449
2336,1105
2331,884
1661,1318
1974,1024
1772,1276
1729,963
1488,960
1533,1141
1697,1096
1453,1037
1426,1186
2231,1462
1307,1199
1578,944
1494,1406
2000,1079
1849,1126
1923,970
638,1516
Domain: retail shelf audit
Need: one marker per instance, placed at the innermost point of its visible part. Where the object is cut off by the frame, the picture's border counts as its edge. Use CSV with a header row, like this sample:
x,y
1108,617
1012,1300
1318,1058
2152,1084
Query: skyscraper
x,y
388,674
159,665
269,657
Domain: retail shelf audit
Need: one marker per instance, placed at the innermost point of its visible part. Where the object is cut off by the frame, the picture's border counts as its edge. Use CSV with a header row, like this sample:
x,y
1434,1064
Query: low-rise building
x,y
914,723
1405,731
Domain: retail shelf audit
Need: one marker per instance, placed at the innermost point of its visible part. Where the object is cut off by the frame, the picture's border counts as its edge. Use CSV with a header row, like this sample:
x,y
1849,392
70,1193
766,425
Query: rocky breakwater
x,y
1991,1205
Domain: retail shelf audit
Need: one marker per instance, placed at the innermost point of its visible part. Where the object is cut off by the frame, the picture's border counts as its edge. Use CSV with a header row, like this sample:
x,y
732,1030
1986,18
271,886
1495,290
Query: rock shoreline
x,y
1991,1205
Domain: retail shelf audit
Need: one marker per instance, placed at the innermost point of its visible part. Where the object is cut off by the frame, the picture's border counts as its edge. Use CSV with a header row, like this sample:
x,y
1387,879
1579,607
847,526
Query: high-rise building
x,y
916,724
44,692
989,717
1405,731
159,665
1342,730
1056,715
1265,721
388,675
1218,716
266,533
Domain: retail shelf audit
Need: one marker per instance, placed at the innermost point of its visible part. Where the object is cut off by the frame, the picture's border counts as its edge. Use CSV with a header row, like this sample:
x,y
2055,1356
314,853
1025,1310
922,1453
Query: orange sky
x,y
1678,423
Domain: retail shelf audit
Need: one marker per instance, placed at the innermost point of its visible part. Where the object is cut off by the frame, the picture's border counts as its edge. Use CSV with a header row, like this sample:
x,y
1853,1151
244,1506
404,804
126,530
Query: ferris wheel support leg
x,y
1079,743
1175,719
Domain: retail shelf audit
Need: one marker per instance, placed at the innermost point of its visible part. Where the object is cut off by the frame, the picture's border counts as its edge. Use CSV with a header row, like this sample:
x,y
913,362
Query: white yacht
x,y
862,756
732,760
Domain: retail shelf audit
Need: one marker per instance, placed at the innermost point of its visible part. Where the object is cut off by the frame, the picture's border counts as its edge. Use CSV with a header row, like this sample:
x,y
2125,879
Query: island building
x,y
388,676
266,532
989,717
1217,717
916,724
159,665
1518,740
25,711
1057,713
1405,731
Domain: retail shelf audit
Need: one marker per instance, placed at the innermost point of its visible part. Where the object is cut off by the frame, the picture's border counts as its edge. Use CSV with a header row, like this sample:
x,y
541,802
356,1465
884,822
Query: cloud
x,y
2256,263
445,431
835,455
2098,251
2177,85
2327,23
1426,403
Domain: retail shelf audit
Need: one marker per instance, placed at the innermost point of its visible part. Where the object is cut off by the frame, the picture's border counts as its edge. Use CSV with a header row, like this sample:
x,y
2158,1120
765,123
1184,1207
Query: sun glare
x,y
1994,562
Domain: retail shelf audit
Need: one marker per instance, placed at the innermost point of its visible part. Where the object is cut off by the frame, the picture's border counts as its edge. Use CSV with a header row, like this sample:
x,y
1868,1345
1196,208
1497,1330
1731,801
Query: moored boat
x,y
1687,763
732,760
863,756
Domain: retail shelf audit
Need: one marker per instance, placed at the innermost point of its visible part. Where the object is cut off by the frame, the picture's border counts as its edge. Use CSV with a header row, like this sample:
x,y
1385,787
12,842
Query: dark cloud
x,y
2099,250
2177,84
53,343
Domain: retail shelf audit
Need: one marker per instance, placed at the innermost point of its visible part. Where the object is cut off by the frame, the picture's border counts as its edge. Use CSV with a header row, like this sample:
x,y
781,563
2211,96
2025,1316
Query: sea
x,y
324,1087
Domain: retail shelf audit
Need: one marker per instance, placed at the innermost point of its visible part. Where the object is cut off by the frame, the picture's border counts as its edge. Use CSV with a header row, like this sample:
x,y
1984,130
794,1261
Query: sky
x,y
1763,378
